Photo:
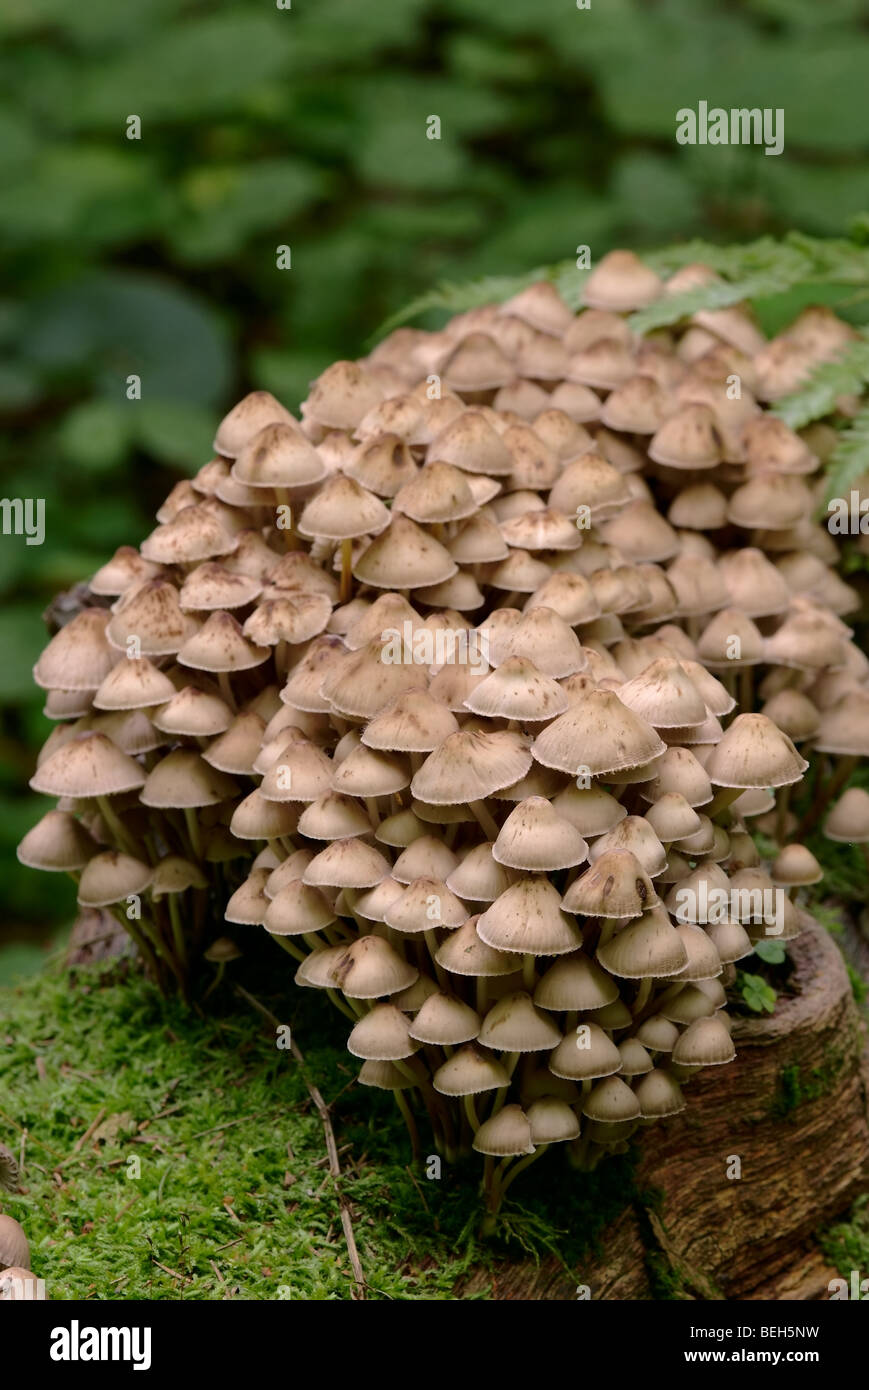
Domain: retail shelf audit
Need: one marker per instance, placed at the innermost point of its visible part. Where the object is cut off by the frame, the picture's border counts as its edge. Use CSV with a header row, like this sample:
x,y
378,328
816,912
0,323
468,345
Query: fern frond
x,y
846,375
850,458
456,299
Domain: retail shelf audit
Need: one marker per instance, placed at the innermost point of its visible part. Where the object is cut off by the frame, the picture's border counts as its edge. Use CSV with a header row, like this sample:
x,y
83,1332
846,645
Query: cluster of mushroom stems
x,y
463,687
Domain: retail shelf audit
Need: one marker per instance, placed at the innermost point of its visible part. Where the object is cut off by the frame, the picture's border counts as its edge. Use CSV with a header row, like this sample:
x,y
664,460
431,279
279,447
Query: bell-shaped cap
x,y
57,843
506,1133
535,838
575,983
369,968
78,657
585,1053
110,876
469,1072
615,886
382,1035
648,947
528,918
513,1024
754,753
598,733
87,765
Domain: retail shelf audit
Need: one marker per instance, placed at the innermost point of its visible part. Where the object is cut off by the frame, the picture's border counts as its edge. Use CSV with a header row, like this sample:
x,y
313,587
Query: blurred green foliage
x,y
306,127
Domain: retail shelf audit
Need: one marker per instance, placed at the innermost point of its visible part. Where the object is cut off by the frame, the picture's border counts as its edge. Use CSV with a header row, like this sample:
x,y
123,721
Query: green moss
x,y
231,1193
796,1087
846,1245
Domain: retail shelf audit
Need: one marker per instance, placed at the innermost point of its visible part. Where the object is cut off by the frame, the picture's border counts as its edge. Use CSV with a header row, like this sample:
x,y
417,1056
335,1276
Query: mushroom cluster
x,y
449,687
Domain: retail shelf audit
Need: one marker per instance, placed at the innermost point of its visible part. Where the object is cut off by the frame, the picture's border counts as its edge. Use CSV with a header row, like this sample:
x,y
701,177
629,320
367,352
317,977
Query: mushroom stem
x,y
642,996
346,569
471,1112
410,1122
823,798
193,830
113,821
746,689
291,949
783,797
723,798
335,998
520,1167
177,931
484,818
431,942
529,974
226,689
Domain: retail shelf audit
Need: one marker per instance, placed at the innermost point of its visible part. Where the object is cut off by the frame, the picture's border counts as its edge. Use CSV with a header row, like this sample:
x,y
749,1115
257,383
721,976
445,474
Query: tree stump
x,y
792,1113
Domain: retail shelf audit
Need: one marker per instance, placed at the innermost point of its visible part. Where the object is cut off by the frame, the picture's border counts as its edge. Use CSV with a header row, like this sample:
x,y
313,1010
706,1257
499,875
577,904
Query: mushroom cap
x,y
444,1020
382,1035
347,863
585,1053
517,690
220,645
133,684
648,947
251,414
611,1101
403,556
470,765
296,908
110,876
479,877
848,821
464,952
598,733
705,1043
426,904
527,918
754,753
552,1121
78,657
469,1072
88,765
508,1132
58,843
14,1249
369,968
615,886
659,1095
184,779
514,1024
535,838
343,509
575,983
412,722
794,866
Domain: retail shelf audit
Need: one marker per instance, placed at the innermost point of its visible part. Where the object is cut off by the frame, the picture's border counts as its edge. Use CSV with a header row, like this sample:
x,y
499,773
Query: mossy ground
x,y
233,1196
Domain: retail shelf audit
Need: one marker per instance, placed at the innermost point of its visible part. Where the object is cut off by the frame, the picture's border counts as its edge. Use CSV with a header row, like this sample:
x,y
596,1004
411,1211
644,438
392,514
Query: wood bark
x,y
793,1108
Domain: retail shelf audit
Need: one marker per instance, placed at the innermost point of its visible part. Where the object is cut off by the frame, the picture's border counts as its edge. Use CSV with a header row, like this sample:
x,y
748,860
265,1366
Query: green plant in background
x,y
156,257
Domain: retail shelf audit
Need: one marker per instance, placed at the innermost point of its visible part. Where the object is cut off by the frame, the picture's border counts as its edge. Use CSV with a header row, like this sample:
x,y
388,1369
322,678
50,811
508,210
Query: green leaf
x,y
845,376
22,637
175,433
95,436
850,458
224,205
773,952
759,996
111,324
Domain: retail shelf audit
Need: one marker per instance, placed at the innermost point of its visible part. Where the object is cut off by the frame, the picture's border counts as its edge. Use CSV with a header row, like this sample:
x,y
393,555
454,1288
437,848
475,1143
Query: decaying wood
x,y
794,1110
